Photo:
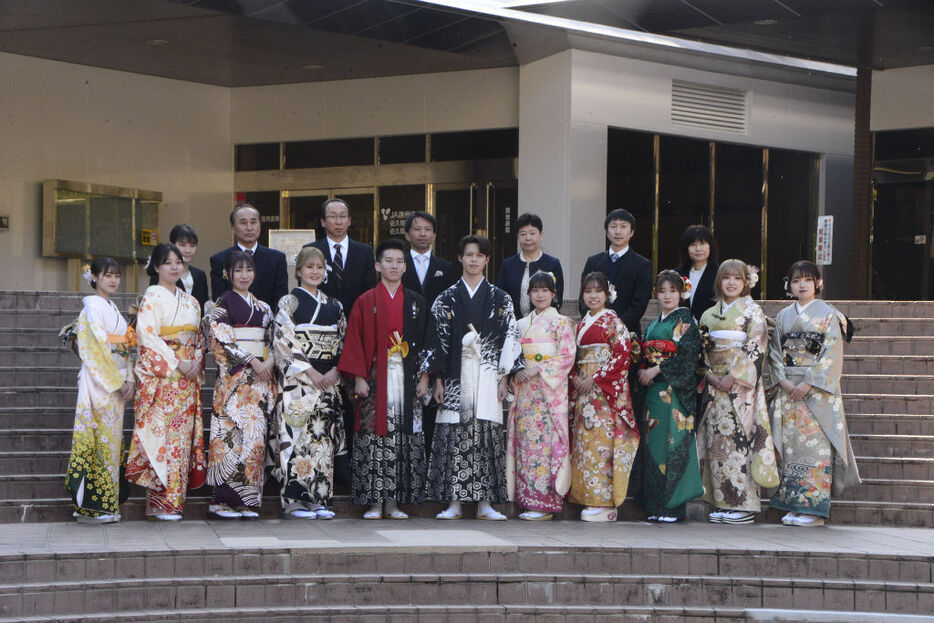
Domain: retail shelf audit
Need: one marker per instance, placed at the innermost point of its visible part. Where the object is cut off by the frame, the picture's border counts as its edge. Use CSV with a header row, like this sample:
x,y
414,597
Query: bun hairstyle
x,y
100,266
804,268
672,278
735,267
541,279
236,259
160,255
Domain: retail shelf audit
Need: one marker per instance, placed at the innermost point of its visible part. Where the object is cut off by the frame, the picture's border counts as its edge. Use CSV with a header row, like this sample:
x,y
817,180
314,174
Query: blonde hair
x,y
732,267
304,257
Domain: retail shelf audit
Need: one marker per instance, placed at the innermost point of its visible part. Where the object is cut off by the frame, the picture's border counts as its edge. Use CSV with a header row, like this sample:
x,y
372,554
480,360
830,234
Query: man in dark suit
x,y
627,271
351,264
425,272
351,272
193,280
271,282
429,275
515,272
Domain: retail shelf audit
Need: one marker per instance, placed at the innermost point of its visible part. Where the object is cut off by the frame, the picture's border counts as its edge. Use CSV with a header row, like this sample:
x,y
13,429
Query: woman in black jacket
x,y
192,280
699,265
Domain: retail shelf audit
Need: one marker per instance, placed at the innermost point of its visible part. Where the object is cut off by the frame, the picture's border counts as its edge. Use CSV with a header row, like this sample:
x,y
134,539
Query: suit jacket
x,y
703,297
359,272
440,276
271,282
633,282
199,289
513,268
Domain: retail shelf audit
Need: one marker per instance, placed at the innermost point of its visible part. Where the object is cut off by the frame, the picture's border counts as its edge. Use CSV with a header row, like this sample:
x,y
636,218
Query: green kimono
x,y
671,475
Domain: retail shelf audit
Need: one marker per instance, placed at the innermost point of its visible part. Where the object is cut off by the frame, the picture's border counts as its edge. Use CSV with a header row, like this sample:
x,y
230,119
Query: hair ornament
x,y
612,298
752,275
148,263
787,286
686,294
86,274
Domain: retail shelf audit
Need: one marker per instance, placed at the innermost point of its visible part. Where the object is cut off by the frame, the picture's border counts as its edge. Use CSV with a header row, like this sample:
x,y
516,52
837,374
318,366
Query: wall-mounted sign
x,y
824,251
149,237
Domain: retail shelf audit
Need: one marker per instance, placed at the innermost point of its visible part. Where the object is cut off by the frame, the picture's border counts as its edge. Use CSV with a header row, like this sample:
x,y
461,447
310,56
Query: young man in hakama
x,y
805,363
244,394
381,352
472,347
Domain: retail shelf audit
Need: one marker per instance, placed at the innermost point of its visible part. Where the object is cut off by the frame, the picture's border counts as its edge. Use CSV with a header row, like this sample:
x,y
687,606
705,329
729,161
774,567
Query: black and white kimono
x,y
473,344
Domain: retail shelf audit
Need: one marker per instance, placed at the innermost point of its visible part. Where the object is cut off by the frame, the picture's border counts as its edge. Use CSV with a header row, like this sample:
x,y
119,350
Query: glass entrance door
x,y
454,207
903,226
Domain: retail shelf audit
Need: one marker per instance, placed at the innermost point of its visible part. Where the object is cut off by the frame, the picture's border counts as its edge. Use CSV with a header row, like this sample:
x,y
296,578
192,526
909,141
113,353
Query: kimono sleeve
x,y
353,359
94,349
825,373
681,370
510,359
747,366
776,356
438,339
609,375
226,350
289,357
554,371
160,360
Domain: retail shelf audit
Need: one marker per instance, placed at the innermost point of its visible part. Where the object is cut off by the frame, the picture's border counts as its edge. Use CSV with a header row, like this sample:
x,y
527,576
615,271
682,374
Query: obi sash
x,y
318,342
593,354
657,351
180,337
121,348
538,349
722,350
252,340
802,348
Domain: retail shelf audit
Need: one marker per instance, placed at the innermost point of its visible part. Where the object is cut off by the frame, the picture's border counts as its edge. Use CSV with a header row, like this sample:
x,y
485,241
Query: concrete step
x,y
889,424
859,403
888,364
549,589
914,383
897,468
915,446
871,327
891,345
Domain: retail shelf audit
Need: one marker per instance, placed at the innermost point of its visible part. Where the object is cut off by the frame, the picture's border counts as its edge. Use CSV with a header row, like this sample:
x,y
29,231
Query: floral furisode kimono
x,y
604,435
671,475
241,330
104,345
811,436
538,457
308,429
473,346
734,441
167,452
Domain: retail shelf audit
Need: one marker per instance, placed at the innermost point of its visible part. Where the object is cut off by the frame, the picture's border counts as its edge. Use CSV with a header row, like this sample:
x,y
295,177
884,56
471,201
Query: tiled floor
x,y
356,535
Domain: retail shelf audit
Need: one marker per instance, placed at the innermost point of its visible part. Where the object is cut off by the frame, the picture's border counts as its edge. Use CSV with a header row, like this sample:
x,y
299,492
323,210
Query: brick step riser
x,y
585,562
907,470
888,404
457,589
867,364
894,346
893,447
877,424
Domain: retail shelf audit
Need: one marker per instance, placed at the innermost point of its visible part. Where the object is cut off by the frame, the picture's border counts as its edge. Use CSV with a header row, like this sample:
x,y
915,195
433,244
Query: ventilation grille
x,y
703,106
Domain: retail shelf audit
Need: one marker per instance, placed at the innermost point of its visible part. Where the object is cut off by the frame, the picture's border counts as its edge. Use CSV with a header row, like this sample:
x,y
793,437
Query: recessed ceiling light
x,y
158,42
765,22
312,67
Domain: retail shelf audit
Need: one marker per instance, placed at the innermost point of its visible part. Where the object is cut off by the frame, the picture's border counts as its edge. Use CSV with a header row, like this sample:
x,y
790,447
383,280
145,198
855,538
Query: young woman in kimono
x,y
538,453
471,350
307,431
805,363
385,334
105,382
604,433
671,475
244,393
167,452
734,441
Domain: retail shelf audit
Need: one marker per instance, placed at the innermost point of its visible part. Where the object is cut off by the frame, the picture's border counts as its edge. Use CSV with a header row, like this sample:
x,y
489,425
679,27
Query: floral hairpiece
x,y
148,263
686,294
752,275
86,274
612,298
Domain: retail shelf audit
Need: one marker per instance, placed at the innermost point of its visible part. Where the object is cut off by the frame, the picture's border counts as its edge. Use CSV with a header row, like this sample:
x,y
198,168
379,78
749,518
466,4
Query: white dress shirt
x,y
421,261
343,244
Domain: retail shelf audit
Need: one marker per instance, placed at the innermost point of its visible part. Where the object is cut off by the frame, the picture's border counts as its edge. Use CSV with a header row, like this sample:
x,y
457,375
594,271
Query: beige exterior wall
x,y
445,102
59,120
902,98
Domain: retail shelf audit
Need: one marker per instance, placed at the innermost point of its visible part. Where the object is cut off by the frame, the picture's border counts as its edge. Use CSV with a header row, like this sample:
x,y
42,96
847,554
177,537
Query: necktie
x,y
422,268
338,262
248,251
614,257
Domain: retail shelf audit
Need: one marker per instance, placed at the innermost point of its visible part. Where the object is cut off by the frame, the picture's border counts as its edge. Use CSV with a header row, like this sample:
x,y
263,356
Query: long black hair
x,y
160,255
